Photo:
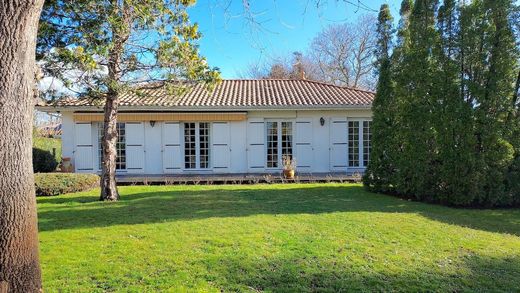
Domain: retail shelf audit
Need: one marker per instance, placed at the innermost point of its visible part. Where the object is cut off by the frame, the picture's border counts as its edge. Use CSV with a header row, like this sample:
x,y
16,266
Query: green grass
x,y
316,237
48,144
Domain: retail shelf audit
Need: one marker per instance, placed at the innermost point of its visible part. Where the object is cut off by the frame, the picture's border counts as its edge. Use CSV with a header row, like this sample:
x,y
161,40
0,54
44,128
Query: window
x,y
359,142
367,137
279,142
190,146
204,145
120,146
272,144
196,145
353,143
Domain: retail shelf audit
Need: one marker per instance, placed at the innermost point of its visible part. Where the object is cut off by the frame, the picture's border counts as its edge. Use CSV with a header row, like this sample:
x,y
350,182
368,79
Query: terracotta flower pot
x,y
66,165
288,174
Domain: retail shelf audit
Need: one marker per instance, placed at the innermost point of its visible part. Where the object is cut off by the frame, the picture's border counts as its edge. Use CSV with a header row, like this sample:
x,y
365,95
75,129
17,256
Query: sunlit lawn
x,y
279,238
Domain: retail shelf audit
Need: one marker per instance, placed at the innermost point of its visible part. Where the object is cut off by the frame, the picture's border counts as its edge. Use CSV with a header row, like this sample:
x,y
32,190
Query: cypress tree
x,y
380,171
495,148
400,76
446,115
453,122
417,162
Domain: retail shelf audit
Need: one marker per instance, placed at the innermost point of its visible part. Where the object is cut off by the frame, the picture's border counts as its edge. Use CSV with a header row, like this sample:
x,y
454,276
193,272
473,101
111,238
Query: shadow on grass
x,y
305,274
83,211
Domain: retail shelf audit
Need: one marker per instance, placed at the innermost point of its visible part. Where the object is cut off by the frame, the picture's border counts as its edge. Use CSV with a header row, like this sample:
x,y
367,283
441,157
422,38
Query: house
x,y
242,126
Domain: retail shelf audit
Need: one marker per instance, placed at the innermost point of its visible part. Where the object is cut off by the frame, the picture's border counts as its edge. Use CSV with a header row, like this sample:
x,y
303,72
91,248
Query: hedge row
x,y
43,161
49,184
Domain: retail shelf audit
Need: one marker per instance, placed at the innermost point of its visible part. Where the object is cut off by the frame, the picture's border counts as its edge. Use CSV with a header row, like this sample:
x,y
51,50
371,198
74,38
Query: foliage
x,y
118,45
48,144
381,169
103,49
452,76
273,238
50,184
43,161
288,162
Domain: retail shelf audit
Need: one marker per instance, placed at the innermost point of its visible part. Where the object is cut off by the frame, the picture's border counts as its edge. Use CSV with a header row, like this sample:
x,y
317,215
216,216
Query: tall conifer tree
x,y
417,160
380,170
495,148
453,122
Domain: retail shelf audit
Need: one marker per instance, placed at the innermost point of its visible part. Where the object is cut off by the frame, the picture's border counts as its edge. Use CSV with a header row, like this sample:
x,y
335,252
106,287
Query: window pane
x,y
353,143
204,145
189,146
272,144
287,139
367,137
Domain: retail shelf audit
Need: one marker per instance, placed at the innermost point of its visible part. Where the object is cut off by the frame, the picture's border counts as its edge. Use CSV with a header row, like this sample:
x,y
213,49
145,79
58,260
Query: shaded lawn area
x,y
283,238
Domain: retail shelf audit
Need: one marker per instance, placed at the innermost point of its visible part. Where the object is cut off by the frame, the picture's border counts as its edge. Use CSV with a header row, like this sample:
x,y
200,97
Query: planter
x,y
66,165
288,174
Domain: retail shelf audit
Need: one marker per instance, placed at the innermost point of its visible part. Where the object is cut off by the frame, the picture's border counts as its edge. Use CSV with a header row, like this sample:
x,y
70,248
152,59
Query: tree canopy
x,y
451,97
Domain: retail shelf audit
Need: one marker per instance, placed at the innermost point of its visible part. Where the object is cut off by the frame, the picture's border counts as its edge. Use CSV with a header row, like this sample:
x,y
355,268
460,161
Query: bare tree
x,y
19,265
344,53
297,66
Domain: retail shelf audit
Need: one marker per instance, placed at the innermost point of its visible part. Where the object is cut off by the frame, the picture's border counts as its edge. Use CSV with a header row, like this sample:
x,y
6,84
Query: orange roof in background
x,y
241,93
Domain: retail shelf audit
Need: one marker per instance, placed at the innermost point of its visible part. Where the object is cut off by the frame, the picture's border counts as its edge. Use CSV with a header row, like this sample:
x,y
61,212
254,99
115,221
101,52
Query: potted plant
x,y
289,165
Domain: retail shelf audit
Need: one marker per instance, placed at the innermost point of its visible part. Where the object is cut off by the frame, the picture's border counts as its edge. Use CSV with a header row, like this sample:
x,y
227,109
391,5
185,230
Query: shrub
x,y
43,161
48,144
49,184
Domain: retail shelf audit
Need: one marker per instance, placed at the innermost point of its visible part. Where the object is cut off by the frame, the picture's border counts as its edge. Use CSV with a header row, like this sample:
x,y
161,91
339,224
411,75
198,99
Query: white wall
x,y
67,137
153,144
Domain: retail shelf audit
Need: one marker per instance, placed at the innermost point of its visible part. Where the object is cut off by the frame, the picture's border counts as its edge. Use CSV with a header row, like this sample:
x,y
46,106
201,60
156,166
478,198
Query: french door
x,y
359,142
279,138
196,145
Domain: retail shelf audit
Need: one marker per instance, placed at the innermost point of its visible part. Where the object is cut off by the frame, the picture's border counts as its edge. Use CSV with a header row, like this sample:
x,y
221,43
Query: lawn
x,y
283,238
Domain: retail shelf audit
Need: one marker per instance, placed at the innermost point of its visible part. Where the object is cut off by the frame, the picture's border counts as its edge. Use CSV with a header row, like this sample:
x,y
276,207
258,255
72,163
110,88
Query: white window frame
x,y
369,141
99,147
197,147
361,142
279,137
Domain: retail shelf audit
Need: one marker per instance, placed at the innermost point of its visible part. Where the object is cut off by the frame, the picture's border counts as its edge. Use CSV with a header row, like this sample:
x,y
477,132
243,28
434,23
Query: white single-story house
x,y
240,127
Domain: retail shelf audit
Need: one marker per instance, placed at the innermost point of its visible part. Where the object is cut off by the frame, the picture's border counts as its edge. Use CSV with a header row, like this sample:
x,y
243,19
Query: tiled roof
x,y
234,94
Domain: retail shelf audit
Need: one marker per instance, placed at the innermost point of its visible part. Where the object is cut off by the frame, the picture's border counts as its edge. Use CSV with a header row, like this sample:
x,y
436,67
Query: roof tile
x,y
243,94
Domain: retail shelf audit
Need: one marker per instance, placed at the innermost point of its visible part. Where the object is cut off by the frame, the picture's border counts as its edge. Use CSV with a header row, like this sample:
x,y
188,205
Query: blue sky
x,y
231,42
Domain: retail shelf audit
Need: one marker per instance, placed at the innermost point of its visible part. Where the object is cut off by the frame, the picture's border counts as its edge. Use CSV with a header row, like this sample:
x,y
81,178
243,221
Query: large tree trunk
x,y
108,176
19,265
121,33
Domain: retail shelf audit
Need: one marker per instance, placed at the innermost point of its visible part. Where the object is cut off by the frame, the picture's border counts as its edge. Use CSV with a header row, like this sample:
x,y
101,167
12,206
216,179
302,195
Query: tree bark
x,y
19,261
108,184
108,176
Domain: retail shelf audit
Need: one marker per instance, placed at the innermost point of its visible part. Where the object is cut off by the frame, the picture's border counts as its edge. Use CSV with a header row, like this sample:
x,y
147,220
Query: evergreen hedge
x,y
43,161
50,184
446,122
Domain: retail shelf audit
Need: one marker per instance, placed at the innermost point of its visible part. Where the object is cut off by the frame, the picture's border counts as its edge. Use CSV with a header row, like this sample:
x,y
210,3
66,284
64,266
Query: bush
x,y
49,184
43,161
48,144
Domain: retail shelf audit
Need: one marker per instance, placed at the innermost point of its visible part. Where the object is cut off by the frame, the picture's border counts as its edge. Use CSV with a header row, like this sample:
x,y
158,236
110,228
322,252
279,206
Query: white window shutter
x,y
304,154
338,144
134,132
172,157
220,138
83,156
255,144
